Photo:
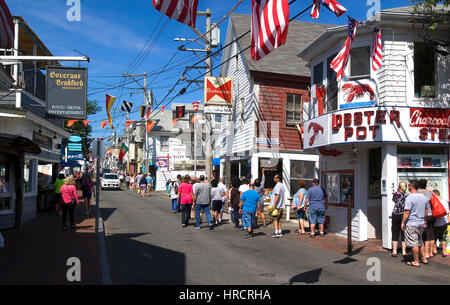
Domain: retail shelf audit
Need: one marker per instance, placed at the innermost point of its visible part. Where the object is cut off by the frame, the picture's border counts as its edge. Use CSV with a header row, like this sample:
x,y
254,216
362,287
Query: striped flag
x,y
196,105
340,62
109,103
332,5
184,11
270,20
6,27
377,51
180,111
126,106
145,111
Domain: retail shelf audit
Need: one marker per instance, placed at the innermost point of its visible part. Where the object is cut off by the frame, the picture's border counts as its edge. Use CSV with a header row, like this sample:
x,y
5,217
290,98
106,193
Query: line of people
x,y
414,225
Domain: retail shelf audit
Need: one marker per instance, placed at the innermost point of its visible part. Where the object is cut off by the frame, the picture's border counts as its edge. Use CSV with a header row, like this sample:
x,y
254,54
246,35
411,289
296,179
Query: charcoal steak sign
x,y
379,124
66,92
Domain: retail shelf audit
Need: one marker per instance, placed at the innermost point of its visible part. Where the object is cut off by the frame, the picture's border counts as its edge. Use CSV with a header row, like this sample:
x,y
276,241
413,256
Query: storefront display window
x,y
302,170
339,186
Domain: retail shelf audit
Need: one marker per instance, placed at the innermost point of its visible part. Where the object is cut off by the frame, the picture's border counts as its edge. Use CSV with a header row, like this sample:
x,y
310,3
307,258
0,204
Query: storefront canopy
x,y
19,143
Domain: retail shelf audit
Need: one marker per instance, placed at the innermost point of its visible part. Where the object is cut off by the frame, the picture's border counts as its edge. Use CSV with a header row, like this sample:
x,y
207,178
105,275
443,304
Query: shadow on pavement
x,y
105,213
135,262
309,277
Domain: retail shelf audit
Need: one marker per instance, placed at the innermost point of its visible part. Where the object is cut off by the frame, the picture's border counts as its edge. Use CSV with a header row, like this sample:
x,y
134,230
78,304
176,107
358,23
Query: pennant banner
x,y
126,106
150,125
109,103
103,124
71,122
196,105
127,123
86,122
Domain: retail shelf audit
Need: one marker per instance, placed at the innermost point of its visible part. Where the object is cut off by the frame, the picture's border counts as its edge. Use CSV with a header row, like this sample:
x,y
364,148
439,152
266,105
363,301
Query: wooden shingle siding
x,y
392,77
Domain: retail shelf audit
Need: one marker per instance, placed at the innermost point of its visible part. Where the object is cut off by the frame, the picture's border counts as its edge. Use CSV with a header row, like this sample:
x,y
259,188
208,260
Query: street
x,y
147,245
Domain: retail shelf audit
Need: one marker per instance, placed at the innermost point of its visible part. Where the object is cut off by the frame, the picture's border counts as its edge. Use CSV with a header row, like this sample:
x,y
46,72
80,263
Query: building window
x,y
4,178
318,74
360,63
424,70
293,109
375,173
339,186
332,87
164,144
302,170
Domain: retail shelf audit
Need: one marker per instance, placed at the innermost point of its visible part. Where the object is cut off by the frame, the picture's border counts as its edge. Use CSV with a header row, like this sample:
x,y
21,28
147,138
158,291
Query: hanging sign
x,y
360,93
218,95
66,92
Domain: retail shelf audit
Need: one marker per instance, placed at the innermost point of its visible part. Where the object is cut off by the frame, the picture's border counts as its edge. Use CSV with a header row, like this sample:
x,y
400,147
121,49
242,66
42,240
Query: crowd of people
x,y
141,183
415,223
194,198
67,197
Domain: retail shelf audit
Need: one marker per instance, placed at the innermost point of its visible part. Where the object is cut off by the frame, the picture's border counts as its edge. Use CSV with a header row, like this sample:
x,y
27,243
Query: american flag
x,y
145,111
340,62
377,52
126,106
6,27
184,11
332,5
270,20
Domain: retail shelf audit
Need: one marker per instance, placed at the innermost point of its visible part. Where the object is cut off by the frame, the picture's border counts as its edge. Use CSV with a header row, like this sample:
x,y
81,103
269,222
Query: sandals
x,y
394,255
412,265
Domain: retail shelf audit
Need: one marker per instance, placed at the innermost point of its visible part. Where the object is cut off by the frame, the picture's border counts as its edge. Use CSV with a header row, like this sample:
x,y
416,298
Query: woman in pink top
x,y
69,192
185,198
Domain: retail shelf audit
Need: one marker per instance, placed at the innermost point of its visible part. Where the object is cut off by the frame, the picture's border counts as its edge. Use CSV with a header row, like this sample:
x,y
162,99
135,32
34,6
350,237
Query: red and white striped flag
x,y
195,105
340,62
6,27
184,11
270,20
377,51
332,5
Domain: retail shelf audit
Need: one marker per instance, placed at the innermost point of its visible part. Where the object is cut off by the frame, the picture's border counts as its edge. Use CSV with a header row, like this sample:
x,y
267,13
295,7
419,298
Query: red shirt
x,y
186,192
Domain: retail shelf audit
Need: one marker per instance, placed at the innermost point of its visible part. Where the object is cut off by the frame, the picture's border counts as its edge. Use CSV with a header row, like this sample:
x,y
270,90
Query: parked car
x,y
110,181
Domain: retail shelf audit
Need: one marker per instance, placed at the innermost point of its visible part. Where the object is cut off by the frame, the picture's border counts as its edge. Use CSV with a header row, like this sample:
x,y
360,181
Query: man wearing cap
x,y
278,204
316,204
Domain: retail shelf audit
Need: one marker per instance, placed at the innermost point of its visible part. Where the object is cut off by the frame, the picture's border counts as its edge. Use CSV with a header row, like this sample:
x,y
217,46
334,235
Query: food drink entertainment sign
x,y
218,95
66,92
379,124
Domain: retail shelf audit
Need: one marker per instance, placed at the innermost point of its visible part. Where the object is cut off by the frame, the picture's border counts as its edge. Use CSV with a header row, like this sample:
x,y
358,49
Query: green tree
x,y
431,14
85,131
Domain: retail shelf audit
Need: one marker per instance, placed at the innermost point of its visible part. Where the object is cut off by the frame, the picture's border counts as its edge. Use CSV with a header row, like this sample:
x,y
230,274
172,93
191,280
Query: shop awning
x,y
19,143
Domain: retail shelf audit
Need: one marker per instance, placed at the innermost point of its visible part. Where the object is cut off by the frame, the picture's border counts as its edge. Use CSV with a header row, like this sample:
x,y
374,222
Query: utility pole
x,y
148,100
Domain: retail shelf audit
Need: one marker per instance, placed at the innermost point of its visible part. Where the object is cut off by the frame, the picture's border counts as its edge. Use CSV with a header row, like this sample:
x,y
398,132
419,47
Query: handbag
x,y
437,207
192,214
73,202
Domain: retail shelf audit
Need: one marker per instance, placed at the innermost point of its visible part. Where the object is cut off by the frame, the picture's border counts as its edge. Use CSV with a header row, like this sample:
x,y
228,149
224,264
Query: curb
x,y
106,275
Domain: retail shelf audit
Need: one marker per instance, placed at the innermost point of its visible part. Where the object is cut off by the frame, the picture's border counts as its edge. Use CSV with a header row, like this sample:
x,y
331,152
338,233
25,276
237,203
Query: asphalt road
x,y
147,245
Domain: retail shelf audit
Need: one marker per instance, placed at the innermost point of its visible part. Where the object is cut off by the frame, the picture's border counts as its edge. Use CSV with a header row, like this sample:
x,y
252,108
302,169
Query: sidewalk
x,y
37,255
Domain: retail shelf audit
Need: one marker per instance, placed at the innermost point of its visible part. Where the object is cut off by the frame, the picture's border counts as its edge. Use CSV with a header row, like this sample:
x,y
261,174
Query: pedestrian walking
x,y
58,199
127,181
143,185
178,201
259,188
70,201
428,236
121,179
149,179
317,204
413,223
440,226
174,194
186,199
217,193
234,202
224,189
202,200
132,182
249,204
87,186
399,198
278,203
244,186
138,181
298,204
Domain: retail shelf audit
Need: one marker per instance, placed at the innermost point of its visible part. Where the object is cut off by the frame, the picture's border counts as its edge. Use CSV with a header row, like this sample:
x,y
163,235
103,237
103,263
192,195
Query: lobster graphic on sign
x,y
351,91
316,128
361,93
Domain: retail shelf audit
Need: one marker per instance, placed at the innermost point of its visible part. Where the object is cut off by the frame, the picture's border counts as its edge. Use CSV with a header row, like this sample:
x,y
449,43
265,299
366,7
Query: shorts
x,y
248,220
300,213
261,205
316,216
278,217
413,236
440,233
428,232
87,195
217,205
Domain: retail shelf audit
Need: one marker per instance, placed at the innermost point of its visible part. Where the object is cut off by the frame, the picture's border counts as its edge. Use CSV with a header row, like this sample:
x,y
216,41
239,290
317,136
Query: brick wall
x,y
272,107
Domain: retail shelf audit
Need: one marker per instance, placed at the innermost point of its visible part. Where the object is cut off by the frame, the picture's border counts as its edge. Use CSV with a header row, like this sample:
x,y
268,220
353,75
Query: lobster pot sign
x,y
360,93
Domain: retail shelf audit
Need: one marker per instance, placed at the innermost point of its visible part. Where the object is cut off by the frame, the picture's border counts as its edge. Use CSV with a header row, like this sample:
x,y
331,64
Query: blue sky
x,y
112,33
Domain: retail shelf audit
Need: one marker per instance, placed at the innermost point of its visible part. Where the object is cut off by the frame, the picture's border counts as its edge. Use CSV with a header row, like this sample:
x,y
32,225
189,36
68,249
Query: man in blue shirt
x,y
317,204
149,184
250,201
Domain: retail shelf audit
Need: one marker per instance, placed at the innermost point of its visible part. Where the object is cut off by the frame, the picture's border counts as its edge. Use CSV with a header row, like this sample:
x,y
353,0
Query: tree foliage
x,y
431,15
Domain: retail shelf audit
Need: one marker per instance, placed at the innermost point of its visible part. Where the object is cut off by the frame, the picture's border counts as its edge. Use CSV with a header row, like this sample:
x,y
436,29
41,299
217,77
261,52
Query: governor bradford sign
x,y
66,92
218,95
379,124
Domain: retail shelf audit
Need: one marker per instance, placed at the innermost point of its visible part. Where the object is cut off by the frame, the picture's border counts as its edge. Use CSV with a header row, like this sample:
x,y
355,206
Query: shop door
x,y
374,204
